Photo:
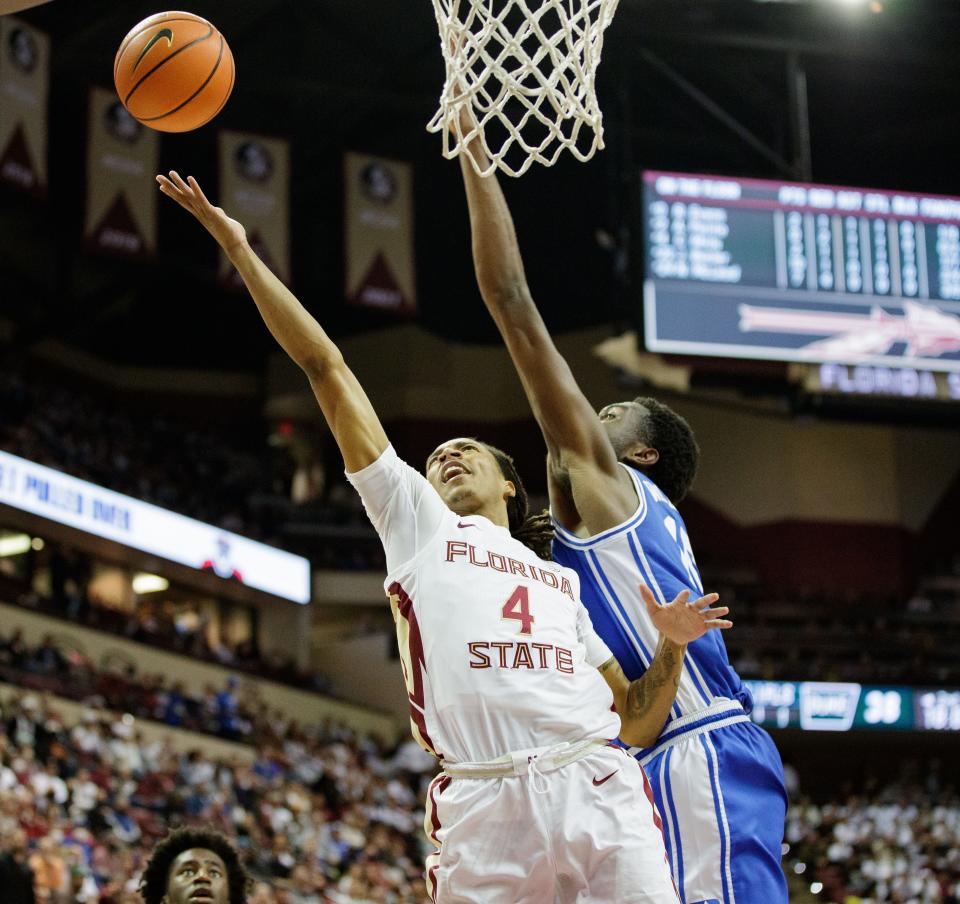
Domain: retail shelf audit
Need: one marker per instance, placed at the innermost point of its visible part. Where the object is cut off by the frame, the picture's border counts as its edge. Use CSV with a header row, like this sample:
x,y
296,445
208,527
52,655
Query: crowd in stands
x,y
898,842
233,711
321,816
179,628
815,637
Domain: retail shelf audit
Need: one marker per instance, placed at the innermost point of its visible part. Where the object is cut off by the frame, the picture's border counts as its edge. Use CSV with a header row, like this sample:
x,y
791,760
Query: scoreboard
x,y
843,706
784,271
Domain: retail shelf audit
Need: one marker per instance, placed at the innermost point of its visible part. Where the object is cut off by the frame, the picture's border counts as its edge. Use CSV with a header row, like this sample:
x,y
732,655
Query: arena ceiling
x,y
704,85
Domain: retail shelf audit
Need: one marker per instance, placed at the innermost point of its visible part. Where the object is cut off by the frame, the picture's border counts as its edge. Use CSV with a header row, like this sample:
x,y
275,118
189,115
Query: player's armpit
x,y
562,507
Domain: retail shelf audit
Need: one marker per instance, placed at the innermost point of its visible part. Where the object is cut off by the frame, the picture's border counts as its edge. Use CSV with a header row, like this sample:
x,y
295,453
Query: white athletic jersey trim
x,y
575,542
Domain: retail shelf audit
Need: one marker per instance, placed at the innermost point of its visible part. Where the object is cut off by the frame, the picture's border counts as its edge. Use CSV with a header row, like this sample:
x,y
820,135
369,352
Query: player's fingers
x,y
199,191
176,180
682,597
171,191
707,600
720,623
649,599
715,613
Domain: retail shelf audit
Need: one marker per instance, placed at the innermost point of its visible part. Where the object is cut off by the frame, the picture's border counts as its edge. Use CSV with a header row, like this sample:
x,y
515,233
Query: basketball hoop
x,y
526,70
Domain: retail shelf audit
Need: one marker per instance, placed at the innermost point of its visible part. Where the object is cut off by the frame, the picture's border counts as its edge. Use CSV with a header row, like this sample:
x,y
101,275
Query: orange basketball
x,y
174,72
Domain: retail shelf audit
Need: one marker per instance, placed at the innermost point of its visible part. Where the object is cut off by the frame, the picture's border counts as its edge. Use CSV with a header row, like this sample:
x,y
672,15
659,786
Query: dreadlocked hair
x,y
672,437
533,531
153,885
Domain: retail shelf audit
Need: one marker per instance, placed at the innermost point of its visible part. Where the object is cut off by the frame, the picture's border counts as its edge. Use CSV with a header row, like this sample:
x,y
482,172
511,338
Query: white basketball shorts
x,y
586,833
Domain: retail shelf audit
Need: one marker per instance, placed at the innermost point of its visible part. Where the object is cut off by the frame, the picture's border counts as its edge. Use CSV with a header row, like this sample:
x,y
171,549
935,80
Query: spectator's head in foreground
x,y
194,866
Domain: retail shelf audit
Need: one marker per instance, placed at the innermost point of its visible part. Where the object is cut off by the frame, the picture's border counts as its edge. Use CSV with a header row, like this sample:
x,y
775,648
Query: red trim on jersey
x,y
439,784
417,701
437,787
432,882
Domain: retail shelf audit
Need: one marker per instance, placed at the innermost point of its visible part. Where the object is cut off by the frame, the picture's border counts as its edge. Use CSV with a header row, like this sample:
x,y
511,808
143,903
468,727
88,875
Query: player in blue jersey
x,y
614,482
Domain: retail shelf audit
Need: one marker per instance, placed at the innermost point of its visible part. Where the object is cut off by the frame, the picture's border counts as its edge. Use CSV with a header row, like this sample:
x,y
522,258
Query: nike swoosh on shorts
x,y
606,778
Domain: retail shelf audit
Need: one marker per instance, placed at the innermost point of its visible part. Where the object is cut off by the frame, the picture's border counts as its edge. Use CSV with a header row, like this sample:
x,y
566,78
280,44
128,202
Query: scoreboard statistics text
x,y
843,706
784,271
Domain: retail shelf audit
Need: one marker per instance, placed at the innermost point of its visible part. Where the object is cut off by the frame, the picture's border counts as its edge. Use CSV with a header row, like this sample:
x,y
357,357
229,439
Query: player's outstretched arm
x,y
345,405
644,704
577,442
15,6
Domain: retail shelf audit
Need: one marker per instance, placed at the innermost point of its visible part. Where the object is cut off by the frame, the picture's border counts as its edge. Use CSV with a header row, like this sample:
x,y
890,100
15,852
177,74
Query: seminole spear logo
x,y
927,331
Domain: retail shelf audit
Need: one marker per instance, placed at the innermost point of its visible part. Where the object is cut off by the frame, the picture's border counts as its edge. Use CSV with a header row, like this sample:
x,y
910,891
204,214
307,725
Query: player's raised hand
x,y
228,232
684,620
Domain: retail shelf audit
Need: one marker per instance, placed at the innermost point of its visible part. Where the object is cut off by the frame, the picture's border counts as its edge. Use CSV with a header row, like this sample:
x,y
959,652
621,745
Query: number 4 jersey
x,y
498,652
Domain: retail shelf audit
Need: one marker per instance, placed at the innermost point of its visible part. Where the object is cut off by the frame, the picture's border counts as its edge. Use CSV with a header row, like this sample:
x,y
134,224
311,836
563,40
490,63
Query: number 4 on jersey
x,y
518,607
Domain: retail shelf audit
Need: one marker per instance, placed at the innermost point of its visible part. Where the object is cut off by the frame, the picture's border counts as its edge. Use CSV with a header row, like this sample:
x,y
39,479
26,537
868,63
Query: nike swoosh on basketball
x,y
159,36
599,781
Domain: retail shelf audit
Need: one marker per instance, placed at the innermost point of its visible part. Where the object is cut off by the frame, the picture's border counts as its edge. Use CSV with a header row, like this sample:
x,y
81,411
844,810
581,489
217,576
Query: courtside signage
x,y
95,510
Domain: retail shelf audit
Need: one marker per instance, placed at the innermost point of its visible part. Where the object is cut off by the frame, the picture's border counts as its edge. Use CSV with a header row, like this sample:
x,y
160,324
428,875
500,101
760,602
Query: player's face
x,y
467,476
197,876
623,422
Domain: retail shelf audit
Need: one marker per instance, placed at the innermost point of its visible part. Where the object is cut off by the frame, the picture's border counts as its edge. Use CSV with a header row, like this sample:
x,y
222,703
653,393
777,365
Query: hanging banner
x,y
24,80
255,189
379,233
122,160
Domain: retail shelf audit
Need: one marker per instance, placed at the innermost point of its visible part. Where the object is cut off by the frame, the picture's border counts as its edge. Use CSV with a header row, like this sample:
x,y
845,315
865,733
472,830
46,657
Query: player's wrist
x,y
674,646
236,249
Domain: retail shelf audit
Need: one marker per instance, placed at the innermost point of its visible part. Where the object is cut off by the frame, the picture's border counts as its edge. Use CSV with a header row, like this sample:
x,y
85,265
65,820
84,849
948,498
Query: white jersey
x,y
498,653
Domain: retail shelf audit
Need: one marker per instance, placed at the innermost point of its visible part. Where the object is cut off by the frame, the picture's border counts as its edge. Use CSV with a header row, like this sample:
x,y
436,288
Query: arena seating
x,y
894,843
321,815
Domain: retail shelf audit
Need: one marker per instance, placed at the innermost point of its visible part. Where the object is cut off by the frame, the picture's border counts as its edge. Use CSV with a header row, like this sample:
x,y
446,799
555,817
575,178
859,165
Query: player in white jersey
x,y
718,779
508,683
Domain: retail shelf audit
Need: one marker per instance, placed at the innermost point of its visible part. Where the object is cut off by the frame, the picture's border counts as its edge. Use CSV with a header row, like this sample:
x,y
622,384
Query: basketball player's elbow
x,y
321,363
506,293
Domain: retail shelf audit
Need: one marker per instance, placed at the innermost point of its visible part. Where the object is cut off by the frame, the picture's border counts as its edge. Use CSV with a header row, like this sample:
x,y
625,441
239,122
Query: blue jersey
x,y
652,547
717,778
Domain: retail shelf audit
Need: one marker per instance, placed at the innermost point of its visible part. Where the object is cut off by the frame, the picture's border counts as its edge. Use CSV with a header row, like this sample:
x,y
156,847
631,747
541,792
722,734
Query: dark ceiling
x,y
685,84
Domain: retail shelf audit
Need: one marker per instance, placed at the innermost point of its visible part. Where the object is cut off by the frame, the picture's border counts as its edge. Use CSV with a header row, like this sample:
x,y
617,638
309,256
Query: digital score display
x,y
748,268
843,706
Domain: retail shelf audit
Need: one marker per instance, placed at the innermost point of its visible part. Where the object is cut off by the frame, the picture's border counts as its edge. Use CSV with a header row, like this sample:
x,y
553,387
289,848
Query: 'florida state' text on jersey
x,y
498,653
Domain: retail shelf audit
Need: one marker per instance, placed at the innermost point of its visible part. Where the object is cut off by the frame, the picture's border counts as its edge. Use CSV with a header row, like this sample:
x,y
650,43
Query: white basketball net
x,y
526,70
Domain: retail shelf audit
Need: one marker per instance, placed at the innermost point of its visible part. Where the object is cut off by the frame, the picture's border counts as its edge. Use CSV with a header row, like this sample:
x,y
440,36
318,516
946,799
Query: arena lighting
x,y
149,583
37,544
14,545
816,888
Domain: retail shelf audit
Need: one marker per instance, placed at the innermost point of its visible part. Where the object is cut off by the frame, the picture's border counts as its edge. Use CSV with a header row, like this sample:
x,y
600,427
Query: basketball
x,y
174,72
